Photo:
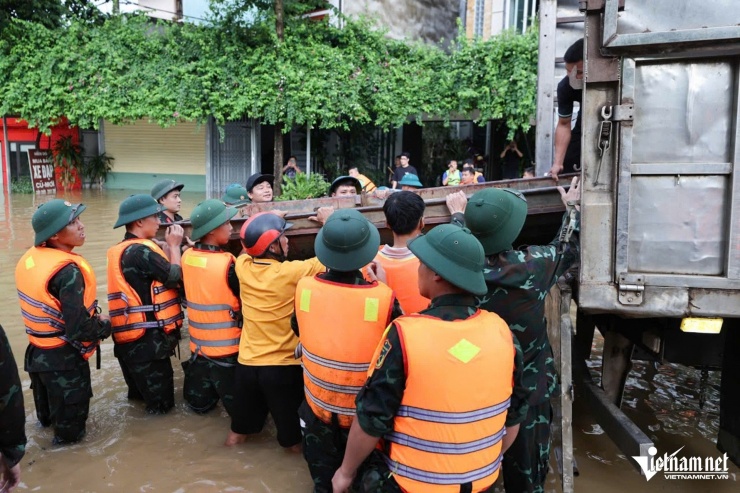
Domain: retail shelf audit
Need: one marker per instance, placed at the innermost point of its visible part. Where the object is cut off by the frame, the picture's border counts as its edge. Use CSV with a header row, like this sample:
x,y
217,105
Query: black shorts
x,y
274,389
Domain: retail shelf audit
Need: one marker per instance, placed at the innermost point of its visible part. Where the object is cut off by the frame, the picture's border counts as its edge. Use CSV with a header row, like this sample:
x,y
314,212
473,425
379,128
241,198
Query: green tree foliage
x,y
304,186
129,67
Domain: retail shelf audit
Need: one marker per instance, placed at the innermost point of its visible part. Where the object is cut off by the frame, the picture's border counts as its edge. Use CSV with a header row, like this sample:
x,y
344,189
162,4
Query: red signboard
x,y
42,171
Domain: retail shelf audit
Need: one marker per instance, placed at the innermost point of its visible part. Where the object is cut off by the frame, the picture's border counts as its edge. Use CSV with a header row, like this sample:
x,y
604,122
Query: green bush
x,y
304,187
21,185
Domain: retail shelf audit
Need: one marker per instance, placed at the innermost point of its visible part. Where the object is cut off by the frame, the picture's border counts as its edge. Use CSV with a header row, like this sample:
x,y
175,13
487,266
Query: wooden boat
x,y
544,214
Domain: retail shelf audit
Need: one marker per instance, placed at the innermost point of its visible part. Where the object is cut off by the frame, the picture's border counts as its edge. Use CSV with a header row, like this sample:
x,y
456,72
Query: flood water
x,y
127,450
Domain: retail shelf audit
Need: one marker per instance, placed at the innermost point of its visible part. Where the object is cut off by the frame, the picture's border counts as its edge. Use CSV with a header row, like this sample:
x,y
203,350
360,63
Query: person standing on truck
x,y
268,377
336,356
144,302
518,281
12,418
438,428
57,290
214,309
570,90
404,169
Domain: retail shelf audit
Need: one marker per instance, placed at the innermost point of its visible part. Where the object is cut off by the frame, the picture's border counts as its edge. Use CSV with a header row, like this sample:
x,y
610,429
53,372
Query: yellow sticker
x,y
372,305
30,264
464,350
702,325
305,300
195,261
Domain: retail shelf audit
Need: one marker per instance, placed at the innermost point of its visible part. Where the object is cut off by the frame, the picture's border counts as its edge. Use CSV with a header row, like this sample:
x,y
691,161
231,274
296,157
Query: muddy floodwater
x,y
127,450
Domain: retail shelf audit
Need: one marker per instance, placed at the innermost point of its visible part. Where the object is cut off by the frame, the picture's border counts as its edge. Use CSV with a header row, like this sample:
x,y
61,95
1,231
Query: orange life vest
x,y
366,183
340,327
451,421
127,313
214,313
402,275
42,313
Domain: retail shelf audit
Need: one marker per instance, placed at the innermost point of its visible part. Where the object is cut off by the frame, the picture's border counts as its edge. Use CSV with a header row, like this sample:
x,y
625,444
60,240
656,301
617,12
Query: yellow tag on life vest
x,y
30,264
464,350
195,261
372,305
305,305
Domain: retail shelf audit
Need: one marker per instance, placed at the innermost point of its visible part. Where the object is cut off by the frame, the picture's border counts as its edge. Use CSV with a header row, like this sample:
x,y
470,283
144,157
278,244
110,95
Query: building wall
x,y
425,20
145,152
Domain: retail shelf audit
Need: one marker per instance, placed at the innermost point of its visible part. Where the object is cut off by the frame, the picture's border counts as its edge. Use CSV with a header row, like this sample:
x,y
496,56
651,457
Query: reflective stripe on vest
x,y
41,312
338,341
402,277
214,312
448,430
127,312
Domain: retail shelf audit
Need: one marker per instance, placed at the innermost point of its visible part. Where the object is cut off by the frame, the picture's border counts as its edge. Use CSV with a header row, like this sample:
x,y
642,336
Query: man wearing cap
x,y
214,309
268,377
518,281
345,186
144,302
410,182
437,421
336,356
167,194
402,170
259,188
60,311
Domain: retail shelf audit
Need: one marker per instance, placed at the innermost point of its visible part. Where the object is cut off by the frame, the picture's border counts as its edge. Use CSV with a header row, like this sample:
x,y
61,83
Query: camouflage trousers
x,y
62,400
151,382
208,380
323,448
525,464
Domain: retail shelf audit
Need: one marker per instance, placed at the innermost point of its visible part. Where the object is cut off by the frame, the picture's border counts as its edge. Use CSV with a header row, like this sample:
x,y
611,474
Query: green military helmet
x,y
454,254
209,215
347,241
235,195
496,217
136,207
162,188
52,217
410,180
345,180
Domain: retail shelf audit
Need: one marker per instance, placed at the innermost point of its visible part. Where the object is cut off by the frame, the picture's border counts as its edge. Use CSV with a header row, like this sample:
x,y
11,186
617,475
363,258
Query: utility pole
x,y
278,134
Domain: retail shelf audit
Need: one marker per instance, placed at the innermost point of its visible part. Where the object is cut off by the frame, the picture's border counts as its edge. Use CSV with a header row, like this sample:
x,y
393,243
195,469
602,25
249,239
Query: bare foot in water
x,y
234,439
296,449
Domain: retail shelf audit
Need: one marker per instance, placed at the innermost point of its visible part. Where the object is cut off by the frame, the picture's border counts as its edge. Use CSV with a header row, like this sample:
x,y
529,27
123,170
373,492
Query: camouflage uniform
x,y
518,282
12,414
209,379
165,219
145,363
379,399
324,445
60,377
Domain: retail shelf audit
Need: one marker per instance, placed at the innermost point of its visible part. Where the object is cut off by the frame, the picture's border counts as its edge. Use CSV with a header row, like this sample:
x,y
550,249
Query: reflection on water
x,y
127,450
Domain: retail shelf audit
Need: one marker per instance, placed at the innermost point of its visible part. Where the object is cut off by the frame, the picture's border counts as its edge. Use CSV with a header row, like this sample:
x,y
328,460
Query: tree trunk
x,y
116,8
278,135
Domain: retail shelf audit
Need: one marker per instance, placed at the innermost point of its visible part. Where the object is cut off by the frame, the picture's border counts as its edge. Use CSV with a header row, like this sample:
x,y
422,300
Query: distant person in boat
x,y
410,182
214,309
167,193
451,177
259,188
528,172
335,355
345,186
269,378
404,169
367,183
517,281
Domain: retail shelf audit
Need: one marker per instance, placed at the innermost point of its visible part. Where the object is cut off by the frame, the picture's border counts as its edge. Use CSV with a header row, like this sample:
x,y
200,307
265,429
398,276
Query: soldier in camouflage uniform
x,y
450,274
12,418
345,244
518,281
145,362
167,194
59,371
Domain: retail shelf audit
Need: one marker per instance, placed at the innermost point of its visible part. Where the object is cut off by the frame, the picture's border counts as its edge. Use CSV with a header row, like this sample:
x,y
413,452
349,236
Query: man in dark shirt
x,y
12,418
56,357
450,274
145,362
518,282
570,90
167,194
403,170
